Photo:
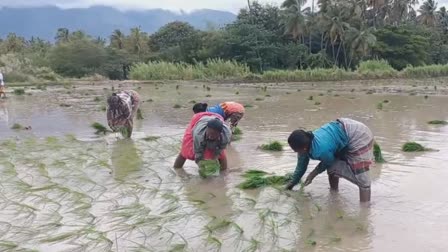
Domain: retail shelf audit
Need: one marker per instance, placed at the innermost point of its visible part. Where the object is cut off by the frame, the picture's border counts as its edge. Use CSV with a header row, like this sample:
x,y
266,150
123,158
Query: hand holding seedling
x,y
310,177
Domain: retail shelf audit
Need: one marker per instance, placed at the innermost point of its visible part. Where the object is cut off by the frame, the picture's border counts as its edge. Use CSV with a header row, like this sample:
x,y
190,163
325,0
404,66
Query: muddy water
x,y
65,189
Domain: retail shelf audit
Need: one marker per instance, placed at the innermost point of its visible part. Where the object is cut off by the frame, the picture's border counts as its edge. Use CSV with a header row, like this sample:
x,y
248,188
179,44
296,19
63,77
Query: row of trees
x,y
330,33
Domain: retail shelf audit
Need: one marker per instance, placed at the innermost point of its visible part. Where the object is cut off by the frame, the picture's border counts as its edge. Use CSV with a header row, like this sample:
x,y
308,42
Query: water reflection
x,y
125,158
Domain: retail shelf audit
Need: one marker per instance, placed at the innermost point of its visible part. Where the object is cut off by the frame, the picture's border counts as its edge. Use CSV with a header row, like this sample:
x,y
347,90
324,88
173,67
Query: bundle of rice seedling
x,y
100,129
272,146
413,147
377,153
208,168
139,114
438,122
256,179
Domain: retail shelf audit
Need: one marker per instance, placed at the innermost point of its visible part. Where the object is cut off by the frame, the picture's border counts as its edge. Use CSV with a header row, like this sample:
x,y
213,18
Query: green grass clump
x,y
19,91
259,99
413,147
256,179
213,69
139,114
272,146
17,126
374,69
208,168
379,106
176,106
100,129
377,154
438,122
237,131
310,98
151,138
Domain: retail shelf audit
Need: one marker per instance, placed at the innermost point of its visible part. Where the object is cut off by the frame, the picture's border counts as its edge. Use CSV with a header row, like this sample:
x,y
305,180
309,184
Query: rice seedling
x,y
369,92
65,105
208,168
19,91
256,179
336,95
151,138
97,99
139,114
237,131
193,102
215,241
149,100
386,101
177,247
299,90
237,92
100,129
288,93
438,122
177,87
247,105
209,95
272,146
377,153
321,94
317,103
208,89
413,147
336,239
177,106
265,88
352,90
310,98
218,224
268,95
17,126
311,242
379,106
426,97
103,108
259,99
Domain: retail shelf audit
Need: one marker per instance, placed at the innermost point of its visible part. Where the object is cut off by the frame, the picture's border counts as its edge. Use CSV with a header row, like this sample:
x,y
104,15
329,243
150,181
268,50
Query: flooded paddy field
x,y
63,188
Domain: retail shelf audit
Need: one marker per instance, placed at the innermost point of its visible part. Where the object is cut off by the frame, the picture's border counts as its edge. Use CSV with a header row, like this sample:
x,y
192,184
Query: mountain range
x,y
100,21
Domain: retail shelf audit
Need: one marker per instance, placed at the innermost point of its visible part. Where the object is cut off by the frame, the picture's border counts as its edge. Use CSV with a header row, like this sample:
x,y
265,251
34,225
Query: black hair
x,y
215,124
200,107
300,139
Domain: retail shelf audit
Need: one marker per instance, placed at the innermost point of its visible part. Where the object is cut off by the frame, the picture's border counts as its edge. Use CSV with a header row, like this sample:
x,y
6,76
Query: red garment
x,y
187,150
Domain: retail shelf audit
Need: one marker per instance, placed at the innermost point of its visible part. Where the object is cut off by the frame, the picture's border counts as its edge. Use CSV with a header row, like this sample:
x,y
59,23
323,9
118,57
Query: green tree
x,y
117,39
77,58
13,44
401,46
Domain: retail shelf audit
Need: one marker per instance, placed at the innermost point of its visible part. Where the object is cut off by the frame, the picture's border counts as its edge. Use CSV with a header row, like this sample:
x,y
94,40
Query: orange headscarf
x,y
232,107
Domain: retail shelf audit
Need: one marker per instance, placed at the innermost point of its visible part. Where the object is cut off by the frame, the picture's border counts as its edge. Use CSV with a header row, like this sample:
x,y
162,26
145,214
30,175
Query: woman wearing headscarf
x,y
205,138
231,111
345,149
121,110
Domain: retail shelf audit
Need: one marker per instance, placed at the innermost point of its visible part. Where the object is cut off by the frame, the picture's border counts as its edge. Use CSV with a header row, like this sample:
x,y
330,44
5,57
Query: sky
x,y
176,5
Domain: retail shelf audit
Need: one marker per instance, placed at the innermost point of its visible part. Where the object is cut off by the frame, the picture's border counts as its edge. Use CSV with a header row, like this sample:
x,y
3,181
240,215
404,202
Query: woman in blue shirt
x,y
345,149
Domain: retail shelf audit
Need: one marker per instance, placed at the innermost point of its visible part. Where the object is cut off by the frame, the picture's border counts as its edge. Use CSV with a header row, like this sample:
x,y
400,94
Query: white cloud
x,y
187,5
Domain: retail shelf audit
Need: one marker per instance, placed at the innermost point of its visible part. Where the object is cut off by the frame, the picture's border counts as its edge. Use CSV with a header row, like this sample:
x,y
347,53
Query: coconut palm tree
x,y
294,18
428,14
361,41
442,15
117,39
138,41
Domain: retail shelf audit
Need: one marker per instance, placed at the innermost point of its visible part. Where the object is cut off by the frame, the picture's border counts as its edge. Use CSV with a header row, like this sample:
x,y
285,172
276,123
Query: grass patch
x,y
19,91
151,138
438,122
100,129
256,179
272,146
379,106
139,114
17,126
378,154
413,147
177,106
208,168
